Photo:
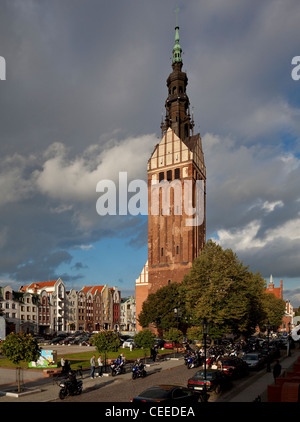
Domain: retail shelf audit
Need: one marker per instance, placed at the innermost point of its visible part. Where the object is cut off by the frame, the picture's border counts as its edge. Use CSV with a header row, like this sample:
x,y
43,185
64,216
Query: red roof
x,y
91,289
39,285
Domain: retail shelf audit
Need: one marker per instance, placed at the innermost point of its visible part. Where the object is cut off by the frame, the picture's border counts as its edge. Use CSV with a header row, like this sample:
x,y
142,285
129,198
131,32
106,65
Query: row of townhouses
x,y
47,308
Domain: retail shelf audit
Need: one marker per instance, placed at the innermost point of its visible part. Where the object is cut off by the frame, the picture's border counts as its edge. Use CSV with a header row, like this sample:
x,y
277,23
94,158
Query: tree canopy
x,y
219,287
106,341
222,289
159,308
20,348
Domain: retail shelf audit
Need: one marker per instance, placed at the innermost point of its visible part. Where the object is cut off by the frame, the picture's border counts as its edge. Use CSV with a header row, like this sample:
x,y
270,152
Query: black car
x,y
159,343
56,340
215,381
233,366
167,393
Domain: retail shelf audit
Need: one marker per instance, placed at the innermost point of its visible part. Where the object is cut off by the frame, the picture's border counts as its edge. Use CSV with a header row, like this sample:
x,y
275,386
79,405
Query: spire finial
x,y
176,11
177,49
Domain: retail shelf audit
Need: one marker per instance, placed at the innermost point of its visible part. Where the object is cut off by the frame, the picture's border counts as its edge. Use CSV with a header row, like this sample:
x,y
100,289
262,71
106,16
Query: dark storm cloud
x,y
85,88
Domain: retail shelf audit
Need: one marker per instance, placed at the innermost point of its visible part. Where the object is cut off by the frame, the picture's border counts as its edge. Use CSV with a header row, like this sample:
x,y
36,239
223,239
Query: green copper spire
x,y
177,49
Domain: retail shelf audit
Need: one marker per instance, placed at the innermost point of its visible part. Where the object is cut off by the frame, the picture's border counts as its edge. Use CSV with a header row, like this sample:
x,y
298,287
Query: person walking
x,y
276,370
93,365
154,353
100,366
62,363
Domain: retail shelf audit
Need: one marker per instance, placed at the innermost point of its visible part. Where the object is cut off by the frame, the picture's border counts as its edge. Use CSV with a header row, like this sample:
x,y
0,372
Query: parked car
x,y
255,361
167,393
127,343
159,343
56,340
233,366
172,345
215,381
200,343
67,340
40,339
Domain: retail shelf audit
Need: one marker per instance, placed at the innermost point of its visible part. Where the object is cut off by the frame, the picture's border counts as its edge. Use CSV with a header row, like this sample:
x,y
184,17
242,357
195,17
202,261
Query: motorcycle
x,y
138,371
193,361
69,388
187,356
117,368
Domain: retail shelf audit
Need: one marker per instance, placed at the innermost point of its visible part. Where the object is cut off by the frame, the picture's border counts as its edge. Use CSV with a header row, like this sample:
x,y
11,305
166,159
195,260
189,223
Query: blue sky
x,y
82,101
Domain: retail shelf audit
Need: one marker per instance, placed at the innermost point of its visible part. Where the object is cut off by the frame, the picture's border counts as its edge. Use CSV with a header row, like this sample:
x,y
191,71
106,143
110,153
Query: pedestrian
x,y
153,353
100,366
130,347
93,365
276,370
67,366
62,364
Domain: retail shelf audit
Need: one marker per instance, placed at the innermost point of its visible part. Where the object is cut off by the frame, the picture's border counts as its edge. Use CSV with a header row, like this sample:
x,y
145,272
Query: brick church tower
x,y
176,192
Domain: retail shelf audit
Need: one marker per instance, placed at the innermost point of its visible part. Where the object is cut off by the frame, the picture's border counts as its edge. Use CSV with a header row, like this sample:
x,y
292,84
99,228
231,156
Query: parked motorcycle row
x,y
264,349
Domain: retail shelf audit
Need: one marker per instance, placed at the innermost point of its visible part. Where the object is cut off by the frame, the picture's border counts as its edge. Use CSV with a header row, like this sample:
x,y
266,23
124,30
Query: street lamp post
x,y
177,314
268,358
289,340
205,332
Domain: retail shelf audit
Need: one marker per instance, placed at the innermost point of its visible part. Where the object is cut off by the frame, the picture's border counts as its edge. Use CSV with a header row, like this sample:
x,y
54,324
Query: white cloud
x,y
76,179
270,206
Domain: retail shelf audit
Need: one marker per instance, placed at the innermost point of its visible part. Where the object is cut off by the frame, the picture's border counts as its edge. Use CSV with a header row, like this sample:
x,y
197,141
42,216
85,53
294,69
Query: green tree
x,y
194,333
158,308
106,341
20,348
174,335
220,288
274,310
144,339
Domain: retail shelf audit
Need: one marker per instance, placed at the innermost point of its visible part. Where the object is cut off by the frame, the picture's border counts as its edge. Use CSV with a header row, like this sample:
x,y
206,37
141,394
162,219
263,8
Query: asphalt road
x,y
61,350
120,389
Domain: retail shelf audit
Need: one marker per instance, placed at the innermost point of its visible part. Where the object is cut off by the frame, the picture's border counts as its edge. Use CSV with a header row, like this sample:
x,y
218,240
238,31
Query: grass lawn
x,y
83,358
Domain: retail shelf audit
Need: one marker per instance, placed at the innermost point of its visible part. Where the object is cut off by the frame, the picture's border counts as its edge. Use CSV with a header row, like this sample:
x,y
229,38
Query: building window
x,y
161,176
169,175
169,282
177,173
177,249
162,251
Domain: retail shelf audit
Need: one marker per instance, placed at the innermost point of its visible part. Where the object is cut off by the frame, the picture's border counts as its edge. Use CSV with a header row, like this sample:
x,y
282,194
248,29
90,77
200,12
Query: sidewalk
x,y
49,388
257,385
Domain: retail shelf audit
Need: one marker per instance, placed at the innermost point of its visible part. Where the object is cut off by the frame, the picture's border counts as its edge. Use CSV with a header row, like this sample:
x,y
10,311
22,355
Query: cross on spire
x,y
176,11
